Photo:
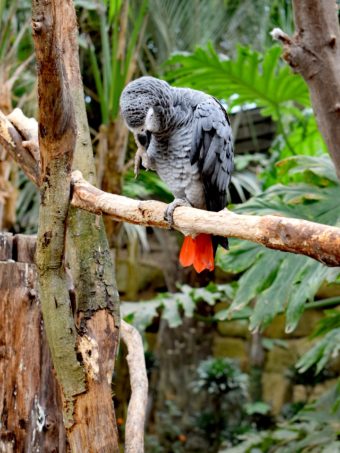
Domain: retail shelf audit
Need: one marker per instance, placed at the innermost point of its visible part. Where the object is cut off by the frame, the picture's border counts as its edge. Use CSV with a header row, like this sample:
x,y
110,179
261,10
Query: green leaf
x,y
321,166
203,294
259,407
226,315
312,275
142,313
273,300
186,302
321,353
256,78
171,313
282,281
243,256
329,322
255,279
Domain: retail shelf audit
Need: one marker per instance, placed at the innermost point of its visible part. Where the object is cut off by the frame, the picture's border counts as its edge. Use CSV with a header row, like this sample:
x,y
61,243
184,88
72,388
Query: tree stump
x,y
30,406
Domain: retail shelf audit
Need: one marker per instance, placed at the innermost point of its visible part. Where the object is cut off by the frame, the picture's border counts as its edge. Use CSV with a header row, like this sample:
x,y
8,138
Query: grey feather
x,y
191,147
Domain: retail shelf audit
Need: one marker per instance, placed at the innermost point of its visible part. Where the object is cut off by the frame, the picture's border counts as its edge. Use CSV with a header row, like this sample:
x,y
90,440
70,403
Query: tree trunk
x,y
83,337
30,404
314,52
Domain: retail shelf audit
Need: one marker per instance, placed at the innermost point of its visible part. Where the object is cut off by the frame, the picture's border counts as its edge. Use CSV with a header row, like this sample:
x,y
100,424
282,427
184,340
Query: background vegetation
x,y
222,47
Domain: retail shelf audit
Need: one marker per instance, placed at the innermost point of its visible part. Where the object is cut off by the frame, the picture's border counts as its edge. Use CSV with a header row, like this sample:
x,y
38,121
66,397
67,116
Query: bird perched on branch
x,y
185,136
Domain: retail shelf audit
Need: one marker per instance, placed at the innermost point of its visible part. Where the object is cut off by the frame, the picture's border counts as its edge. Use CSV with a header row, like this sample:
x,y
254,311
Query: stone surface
x,y
134,276
305,327
320,389
234,348
277,390
238,329
300,393
329,290
279,358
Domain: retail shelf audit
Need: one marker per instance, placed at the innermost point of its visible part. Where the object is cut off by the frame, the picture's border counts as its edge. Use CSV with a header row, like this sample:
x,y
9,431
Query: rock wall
x,y
281,352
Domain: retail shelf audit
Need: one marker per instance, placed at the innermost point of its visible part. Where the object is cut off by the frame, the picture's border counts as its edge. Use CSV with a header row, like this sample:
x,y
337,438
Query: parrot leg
x,y
169,212
141,157
138,160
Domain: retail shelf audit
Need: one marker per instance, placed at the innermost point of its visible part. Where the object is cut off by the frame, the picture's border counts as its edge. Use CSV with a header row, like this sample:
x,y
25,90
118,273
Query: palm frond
x,y
249,77
282,281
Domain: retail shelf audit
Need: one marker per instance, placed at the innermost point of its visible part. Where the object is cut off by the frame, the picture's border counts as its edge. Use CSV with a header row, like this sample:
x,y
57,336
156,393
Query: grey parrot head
x,y
139,96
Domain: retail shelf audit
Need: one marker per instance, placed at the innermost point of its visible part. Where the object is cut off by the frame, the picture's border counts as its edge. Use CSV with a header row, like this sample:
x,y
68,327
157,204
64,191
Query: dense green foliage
x,y
113,58
222,47
281,281
314,429
250,77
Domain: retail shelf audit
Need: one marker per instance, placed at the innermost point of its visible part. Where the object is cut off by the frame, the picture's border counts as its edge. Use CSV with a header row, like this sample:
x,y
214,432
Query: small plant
x,y
315,429
226,388
220,376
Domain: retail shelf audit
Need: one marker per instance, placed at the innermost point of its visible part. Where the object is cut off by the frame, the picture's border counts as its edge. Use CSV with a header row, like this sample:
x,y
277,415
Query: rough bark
x,y
321,242
97,309
83,352
89,254
314,52
30,404
57,137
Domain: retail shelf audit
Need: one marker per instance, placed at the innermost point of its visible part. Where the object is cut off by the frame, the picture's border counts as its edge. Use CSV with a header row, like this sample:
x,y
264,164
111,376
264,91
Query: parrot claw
x,y
169,212
141,158
138,161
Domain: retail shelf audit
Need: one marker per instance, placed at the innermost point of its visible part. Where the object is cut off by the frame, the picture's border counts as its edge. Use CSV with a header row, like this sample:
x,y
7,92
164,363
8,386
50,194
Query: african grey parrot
x,y
185,136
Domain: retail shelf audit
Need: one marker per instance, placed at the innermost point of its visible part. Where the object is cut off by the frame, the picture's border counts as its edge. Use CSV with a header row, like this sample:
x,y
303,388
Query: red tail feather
x,y
197,251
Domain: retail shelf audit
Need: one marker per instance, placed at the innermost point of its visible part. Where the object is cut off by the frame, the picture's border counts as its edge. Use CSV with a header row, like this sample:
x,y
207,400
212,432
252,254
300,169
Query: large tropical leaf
x,y
304,137
250,77
281,281
325,349
173,306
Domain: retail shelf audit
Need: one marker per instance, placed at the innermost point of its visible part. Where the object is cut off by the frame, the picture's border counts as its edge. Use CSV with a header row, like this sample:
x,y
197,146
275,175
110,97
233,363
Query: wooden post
x,y
30,404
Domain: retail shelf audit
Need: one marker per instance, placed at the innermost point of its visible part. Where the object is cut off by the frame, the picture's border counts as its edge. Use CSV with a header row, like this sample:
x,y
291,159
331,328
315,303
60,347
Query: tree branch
x,y
314,52
135,421
321,242
19,136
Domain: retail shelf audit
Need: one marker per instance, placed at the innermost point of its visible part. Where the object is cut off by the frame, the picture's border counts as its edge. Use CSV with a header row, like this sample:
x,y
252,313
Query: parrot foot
x,y
138,160
141,158
169,212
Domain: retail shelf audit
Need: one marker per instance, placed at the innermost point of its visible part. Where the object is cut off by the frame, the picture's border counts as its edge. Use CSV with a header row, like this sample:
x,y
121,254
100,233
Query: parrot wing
x,y
212,150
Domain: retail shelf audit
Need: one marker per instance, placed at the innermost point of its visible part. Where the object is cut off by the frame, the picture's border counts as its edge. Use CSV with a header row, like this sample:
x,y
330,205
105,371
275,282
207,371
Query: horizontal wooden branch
x,y
321,242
